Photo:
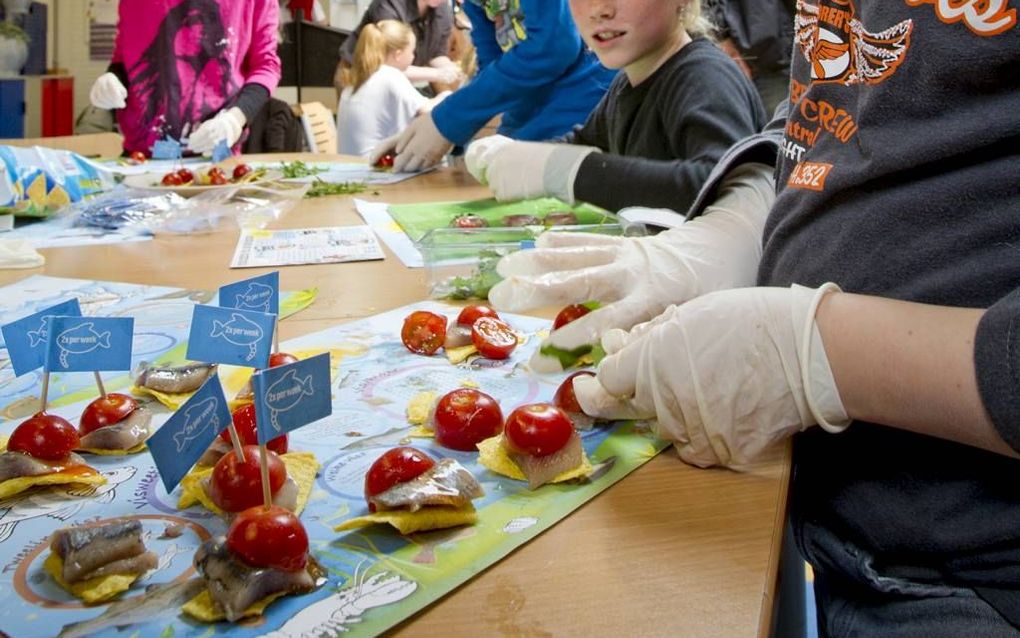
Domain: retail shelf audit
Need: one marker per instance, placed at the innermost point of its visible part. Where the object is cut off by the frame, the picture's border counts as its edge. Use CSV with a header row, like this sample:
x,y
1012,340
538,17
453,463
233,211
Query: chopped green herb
x,y
568,358
321,189
476,286
299,169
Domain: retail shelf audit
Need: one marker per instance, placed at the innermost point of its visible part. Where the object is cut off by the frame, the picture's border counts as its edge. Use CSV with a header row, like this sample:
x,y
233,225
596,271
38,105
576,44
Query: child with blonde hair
x,y
379,101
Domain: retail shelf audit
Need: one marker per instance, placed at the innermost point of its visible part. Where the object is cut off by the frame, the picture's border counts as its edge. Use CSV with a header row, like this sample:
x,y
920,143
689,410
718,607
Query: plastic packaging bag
x,y
249,206
37,181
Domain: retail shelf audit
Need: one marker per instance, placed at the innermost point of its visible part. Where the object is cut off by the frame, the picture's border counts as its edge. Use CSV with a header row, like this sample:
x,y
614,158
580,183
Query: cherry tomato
x,y
385,161
217,176
281,359
44,436
171,179
468,221
241,170
570,313
399,465
470,314
494,338
138,157
108,410
237,485
271,537
565,399
185,175
538,429
244,422
466,416
423,332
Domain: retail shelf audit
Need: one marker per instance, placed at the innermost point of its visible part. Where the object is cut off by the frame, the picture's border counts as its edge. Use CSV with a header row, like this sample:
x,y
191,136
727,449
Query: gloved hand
x,y
448,74
524,170
725,375
388,145
107,92
225,125
420,145
637,278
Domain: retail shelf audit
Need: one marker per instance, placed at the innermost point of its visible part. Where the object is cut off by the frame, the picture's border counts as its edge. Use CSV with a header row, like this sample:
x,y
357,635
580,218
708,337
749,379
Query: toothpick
x,y
235,439
267,497
99,383
276,334
45,390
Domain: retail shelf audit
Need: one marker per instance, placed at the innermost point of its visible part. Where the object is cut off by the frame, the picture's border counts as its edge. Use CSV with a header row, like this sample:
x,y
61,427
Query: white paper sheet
x,y
257,248
376,215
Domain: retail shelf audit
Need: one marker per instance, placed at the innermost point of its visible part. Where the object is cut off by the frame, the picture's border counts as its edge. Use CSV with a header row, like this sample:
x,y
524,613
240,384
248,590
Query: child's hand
x,y
637,278
226,125
107,92
420,146
524,170
725,375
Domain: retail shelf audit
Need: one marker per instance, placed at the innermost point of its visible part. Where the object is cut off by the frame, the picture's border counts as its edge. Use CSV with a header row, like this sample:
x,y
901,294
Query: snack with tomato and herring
x,y
409,490
40,451
459,420
263,556
245,425
114,424
98,561
566,400
233,484
589,353
478,329
538,445
171,385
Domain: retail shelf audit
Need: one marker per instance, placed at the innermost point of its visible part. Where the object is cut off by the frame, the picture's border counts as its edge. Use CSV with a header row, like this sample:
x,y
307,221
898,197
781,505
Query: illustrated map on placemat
x,y
375,577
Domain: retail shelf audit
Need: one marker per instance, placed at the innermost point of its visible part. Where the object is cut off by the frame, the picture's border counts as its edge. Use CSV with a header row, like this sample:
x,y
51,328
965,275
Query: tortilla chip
x,y
170,400
91,590
492,455
202,607
13,486
420,407
301,466
135,450
461,353
405,522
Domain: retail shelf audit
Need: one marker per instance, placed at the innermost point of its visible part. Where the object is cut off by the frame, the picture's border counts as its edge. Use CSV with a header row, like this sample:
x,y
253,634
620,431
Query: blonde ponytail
x,y
694,23
375,43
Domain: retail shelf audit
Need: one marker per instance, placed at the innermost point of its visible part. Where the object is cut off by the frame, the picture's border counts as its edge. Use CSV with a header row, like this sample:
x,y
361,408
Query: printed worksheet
x,y
257,248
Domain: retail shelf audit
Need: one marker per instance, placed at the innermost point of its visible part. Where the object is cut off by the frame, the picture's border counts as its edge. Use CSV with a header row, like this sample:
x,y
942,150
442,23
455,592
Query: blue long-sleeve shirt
x,y
532,67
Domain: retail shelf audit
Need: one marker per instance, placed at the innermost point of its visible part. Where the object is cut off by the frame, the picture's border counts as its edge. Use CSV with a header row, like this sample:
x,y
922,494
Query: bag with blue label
x,y
38,181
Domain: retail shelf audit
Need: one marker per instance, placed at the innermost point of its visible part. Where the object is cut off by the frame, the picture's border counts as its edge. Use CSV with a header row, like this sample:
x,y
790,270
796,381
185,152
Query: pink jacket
x,y
187,59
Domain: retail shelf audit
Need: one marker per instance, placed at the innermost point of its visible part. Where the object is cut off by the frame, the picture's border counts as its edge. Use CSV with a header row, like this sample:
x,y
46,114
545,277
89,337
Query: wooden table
x,y
670,550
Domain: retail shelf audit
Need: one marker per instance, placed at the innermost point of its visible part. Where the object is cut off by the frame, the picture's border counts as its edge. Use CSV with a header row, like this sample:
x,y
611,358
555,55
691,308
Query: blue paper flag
x,y
231,335
186,435
261,294
26,338
166,149
287,397
89,343
220,152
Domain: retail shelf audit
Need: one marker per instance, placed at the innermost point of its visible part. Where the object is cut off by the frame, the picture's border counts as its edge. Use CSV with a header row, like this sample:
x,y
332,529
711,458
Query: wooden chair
x,y
91,145
320,127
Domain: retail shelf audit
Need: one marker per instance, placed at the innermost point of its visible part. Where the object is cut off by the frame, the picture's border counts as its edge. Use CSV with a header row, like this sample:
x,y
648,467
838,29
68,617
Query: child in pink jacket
x,y
189,69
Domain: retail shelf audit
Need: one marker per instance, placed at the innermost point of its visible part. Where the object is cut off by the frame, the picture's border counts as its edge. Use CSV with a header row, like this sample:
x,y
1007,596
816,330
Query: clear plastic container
x,y
460,263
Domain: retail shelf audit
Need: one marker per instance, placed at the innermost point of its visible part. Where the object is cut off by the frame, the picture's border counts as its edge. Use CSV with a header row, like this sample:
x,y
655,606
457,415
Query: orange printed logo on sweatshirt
x,y
838,47
809,175
983,17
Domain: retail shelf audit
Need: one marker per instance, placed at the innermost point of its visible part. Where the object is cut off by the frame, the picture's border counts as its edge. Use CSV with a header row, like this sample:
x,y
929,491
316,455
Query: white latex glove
x,y
525,170
225,125
725,375
448,74
107,92
420,146
635,279
388,145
